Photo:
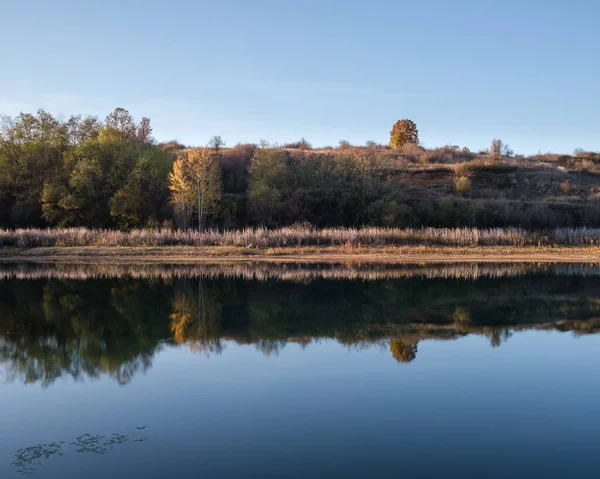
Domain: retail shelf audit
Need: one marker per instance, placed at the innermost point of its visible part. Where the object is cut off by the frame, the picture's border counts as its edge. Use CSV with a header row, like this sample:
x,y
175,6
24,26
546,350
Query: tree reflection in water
x,y
113,326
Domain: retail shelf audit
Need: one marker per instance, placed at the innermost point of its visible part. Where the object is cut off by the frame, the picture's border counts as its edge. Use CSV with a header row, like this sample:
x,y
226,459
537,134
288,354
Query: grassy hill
x,y
454,187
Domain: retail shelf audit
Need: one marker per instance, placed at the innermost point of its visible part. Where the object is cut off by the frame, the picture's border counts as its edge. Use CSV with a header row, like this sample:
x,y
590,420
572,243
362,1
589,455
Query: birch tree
x,y
195,178
182,194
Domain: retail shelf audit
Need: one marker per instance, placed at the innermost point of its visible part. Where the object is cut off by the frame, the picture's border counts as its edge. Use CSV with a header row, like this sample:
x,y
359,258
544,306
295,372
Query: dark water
x,y
255,371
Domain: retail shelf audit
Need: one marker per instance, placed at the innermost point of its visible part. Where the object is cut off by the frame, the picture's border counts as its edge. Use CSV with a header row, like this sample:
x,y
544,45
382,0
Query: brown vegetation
x,y
301,236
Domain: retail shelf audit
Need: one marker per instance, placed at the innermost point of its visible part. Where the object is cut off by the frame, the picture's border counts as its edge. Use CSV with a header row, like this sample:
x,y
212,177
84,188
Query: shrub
x,y
462,186
446,154
566,187
411,150
171,146
302,144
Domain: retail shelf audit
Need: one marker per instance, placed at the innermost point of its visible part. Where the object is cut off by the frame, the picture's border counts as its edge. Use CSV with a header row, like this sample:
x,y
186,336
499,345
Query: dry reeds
x,y
300,235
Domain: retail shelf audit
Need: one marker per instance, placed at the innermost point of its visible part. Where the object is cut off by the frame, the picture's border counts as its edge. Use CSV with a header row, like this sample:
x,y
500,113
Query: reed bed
x,y
298,236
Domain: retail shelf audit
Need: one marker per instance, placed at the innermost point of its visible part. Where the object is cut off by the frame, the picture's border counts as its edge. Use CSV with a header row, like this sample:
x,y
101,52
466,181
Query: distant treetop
x,y
403,132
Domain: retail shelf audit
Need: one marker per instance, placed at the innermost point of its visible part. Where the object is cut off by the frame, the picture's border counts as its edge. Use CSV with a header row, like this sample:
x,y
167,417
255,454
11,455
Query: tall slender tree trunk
x,y
202,204
201,188
200,195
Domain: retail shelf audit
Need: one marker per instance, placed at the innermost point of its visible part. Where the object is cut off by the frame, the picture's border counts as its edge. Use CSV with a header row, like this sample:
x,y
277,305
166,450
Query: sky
x,y
326,70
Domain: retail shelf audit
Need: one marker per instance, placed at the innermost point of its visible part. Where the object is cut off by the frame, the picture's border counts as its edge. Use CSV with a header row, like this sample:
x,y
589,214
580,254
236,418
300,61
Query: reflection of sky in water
x,y
527,409
477,370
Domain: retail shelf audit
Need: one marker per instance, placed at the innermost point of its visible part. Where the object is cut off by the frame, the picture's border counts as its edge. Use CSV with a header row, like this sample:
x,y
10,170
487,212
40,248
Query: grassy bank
x,y
306,244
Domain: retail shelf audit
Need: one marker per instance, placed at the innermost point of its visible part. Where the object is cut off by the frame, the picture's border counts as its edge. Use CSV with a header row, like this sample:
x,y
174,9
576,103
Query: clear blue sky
x,y
465,71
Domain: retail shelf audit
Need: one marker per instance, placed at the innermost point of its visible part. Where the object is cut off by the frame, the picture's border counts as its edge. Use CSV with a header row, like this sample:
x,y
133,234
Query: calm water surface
x,y
255,371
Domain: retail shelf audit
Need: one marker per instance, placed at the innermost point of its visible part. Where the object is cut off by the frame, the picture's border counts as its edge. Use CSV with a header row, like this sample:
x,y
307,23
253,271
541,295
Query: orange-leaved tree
x,y
403,132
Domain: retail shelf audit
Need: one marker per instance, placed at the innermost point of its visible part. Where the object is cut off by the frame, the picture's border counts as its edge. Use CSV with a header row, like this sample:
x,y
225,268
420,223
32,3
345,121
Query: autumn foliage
x,y
195,178
403,132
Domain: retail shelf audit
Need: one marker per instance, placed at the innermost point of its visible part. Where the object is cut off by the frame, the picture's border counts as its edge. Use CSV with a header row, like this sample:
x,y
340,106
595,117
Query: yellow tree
x,y
404,131
195,178
205,173
182,193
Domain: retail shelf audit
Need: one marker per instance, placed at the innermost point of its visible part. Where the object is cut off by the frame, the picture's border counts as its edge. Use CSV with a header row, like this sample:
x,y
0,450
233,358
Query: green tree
x,y
116,177
269,173
135,204
32,150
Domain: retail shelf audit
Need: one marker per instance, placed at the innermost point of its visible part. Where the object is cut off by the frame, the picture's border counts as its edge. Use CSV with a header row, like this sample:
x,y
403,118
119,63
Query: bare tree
x,y
206,174
216,142
499,149
122,121
144,131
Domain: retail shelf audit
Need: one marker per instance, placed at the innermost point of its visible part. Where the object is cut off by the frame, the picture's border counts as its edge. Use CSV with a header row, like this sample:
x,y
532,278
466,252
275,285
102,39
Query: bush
x,y
302,144
447,154
462,186
411,150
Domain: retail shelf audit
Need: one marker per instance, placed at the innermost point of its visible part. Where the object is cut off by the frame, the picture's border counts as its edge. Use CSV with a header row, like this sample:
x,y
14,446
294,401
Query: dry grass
x,y
300,236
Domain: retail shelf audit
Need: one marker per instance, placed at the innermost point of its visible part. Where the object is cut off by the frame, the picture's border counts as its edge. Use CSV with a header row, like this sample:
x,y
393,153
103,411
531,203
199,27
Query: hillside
x,y
113,174
420,186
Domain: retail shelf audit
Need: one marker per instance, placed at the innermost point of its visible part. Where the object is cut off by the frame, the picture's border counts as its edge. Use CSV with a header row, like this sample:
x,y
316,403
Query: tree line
x,y
112,174
81,171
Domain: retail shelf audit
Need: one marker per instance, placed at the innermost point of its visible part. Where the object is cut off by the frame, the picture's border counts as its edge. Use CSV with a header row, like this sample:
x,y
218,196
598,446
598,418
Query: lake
x,y
258,370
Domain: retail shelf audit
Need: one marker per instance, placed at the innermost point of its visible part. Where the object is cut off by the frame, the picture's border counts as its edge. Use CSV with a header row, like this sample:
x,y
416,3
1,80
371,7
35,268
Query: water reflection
x,y
84,321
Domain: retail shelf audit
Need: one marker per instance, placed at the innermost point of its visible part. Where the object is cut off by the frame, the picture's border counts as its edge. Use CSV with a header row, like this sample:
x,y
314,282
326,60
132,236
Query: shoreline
x,y
306,254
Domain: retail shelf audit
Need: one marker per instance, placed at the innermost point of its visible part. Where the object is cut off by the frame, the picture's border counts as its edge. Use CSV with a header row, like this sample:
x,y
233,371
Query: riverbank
x,y
306,254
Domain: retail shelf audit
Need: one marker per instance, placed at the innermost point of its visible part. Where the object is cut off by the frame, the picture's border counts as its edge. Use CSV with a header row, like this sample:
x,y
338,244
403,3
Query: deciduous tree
x,y
403,132
197,174
182,194
216,142
499,149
